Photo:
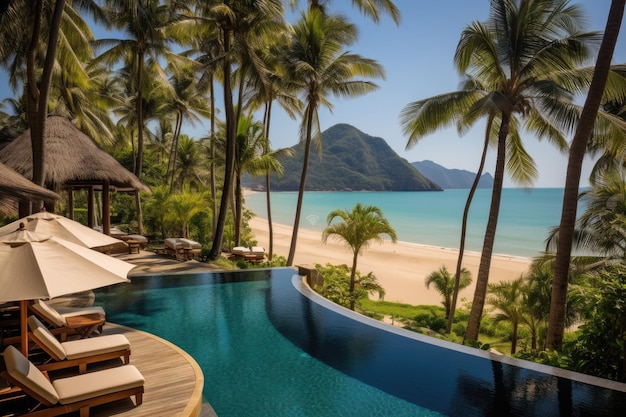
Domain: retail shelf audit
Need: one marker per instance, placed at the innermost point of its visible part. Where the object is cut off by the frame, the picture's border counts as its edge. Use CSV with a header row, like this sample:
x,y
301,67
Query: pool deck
x,y
174,381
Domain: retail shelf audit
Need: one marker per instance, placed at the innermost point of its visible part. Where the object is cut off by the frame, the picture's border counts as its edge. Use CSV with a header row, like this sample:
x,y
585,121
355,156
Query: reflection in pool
x,y
268,350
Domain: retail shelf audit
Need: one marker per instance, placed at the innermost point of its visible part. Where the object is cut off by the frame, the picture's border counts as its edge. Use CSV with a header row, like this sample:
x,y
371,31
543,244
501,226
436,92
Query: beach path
x,y
400,268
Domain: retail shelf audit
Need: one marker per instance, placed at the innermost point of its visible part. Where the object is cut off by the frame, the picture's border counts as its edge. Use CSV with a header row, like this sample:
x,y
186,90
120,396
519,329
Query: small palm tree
x,y
508,298
358,228
444,284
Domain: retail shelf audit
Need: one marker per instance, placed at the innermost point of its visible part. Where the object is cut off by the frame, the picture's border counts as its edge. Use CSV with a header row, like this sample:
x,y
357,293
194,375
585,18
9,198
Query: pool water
x,y
249,368
267,349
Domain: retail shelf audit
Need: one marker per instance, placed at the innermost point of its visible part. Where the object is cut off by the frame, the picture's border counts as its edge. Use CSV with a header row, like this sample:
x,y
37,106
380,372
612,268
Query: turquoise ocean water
x,y
434,218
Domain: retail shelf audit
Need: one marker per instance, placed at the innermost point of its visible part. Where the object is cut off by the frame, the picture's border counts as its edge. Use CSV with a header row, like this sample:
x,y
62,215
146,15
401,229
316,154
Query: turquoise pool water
x,y
250,369
269,348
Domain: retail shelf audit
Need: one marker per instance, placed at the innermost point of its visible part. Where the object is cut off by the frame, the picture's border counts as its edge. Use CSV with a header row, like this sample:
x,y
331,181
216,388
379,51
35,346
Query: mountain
x,y
351,161
452,178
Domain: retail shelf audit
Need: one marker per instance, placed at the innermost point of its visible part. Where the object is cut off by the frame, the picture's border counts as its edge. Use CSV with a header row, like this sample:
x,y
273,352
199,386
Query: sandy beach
x,y
401,268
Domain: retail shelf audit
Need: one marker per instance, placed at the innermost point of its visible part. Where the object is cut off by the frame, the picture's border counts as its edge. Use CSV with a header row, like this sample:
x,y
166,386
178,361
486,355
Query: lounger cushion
x,y
79,311
27,374
81,348
49,313
172,243
240,250
192,244
95,384
45,336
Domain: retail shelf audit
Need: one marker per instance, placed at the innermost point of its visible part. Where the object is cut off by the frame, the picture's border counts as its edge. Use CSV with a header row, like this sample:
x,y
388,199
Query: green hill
x,y
351,161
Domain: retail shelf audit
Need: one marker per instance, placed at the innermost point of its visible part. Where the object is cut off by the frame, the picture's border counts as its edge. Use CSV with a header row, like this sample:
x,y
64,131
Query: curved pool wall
x,y
445,377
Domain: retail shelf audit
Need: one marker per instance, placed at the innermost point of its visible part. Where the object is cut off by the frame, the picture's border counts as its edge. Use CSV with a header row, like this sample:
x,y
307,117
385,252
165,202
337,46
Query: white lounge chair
x,y
75,393
258,252
79,352
58,318
240,251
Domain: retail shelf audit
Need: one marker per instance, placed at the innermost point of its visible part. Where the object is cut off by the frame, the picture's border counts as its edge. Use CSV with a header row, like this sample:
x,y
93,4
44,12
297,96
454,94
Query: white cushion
x,y
49,313
95,384
240,250
80,311
81,348
27,374
46,337
187,243
172,243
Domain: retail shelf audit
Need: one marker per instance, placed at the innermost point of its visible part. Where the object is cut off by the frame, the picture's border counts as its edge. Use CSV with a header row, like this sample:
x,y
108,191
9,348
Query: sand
x,y
401,268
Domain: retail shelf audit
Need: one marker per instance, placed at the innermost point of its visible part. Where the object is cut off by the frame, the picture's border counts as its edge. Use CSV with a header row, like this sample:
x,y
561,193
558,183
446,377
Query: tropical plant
x,y
357,228
370,8
556,324
511,76
237,21
600,348
445,284
183,207
337,284
145,24
317,65
508,299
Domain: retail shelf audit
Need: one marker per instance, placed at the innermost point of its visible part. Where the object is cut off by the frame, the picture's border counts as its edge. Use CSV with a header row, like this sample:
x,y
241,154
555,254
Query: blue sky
x,y
418,61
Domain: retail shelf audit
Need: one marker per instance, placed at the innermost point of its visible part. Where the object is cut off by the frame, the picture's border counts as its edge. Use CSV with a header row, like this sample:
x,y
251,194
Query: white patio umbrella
x,y
40,266
51,224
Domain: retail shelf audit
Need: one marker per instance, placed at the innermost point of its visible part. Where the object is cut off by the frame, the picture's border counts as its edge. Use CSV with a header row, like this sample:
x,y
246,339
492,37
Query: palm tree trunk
x,y
171,163
514,338
139,111
468,203
270,227
238,209
478,303
32,95
212,165
556,321
353,279
305,167
231,137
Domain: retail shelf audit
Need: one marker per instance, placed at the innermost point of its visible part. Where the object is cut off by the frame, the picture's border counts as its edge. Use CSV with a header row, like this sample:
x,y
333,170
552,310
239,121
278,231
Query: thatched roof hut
x,y
73,160
14,187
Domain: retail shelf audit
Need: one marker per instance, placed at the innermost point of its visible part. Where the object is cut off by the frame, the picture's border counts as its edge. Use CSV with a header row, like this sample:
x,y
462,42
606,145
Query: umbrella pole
x,y
24,326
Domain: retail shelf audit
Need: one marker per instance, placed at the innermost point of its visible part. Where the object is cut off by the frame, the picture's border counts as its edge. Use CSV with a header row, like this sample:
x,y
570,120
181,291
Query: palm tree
x,y
601,229
190,163
252,158
508,299
556,326
511,76
445,285
237,20
145,22
188,103
370,8
183,207
317,66
357,229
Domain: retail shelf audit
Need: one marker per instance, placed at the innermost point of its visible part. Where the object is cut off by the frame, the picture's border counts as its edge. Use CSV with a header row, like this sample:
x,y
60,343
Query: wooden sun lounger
x,y
75,320
77,352
76,393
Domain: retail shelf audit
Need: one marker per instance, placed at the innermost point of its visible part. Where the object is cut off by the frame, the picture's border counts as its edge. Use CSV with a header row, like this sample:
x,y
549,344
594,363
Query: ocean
x,y
434,218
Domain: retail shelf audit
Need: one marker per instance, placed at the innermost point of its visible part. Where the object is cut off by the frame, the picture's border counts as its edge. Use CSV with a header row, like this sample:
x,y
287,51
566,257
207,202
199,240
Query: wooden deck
x,y
174,381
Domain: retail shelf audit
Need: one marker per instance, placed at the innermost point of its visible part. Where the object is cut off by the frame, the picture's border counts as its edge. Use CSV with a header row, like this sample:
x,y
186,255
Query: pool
x,y
268,347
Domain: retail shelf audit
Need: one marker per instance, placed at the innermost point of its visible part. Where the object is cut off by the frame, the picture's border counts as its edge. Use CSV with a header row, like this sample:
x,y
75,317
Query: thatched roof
x,y
14,187
71,158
